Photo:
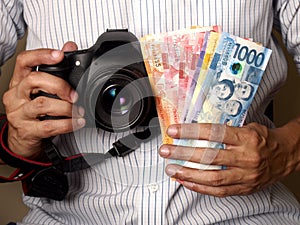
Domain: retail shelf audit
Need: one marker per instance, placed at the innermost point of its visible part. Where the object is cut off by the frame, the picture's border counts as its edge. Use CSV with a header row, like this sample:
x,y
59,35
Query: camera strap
x,y
48,178
120,148
52,182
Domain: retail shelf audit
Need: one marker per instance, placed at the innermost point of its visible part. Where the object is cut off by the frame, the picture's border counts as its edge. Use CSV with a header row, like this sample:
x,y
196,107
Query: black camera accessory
x,y
111,80
47,178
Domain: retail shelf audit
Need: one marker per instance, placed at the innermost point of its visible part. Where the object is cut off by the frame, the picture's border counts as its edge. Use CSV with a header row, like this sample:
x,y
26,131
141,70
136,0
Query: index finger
x,y
26,60
205,131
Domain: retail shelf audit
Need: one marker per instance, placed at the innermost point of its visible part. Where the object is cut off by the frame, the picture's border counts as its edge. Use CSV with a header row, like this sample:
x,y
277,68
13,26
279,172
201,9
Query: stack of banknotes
x,y
202,75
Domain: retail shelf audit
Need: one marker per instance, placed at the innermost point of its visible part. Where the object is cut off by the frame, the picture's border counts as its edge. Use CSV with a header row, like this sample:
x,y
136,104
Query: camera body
x,y
111,80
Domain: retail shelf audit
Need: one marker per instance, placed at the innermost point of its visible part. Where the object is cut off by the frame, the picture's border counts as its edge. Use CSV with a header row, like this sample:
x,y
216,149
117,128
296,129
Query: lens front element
x,y
116,101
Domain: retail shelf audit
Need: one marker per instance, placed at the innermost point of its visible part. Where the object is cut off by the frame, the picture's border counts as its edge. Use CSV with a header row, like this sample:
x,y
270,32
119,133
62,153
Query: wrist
x,y
11,158
294,136
22,150
289,137
19,146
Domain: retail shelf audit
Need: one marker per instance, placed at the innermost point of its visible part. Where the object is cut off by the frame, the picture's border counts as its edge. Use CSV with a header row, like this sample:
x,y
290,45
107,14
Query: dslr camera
x,y
111,80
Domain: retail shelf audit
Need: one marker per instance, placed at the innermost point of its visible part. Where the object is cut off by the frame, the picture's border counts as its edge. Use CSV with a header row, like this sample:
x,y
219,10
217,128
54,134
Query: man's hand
x,y
254,158
25,129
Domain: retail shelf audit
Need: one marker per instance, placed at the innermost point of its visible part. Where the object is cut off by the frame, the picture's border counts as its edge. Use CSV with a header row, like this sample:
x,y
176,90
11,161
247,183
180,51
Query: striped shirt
x,y
135,189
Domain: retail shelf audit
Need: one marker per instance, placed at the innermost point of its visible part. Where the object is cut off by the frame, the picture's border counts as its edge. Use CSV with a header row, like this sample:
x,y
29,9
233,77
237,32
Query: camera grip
x,y
60,69
71,68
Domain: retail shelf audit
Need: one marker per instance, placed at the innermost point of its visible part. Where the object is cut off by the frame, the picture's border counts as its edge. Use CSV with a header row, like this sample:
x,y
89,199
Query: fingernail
x,y
81,111
55,53
73,96
172,131
81,122
164,151
171,170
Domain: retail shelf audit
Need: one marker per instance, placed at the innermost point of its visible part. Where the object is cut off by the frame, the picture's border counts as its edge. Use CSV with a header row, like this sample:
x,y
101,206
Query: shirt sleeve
x,y
12,27
288,17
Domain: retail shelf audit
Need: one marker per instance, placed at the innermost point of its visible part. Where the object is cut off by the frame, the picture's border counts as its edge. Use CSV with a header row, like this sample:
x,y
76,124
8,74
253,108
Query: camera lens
x,y
116,100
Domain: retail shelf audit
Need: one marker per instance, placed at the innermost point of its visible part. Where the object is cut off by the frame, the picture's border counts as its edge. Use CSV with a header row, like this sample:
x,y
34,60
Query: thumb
x,y
69,46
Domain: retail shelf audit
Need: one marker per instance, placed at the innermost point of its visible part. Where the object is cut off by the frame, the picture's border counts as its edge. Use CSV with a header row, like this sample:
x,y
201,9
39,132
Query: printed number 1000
x,y
250,56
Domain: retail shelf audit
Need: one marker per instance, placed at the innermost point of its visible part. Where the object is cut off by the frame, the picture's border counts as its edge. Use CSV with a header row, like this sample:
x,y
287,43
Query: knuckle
x,y
183,173
187,176
11,118
21,58
254,138
40,102
50,127
29,80
6,98
176,151
47,126
216,180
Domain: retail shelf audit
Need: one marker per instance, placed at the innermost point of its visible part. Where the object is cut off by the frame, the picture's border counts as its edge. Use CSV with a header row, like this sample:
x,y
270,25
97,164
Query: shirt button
x,y
153,187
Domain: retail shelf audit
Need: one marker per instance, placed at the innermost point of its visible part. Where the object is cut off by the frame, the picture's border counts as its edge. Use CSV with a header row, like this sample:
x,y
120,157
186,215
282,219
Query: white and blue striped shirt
x,y
135,189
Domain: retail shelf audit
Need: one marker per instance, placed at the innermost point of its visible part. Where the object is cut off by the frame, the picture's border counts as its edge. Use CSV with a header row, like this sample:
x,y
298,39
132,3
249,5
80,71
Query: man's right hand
x,y
25,129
